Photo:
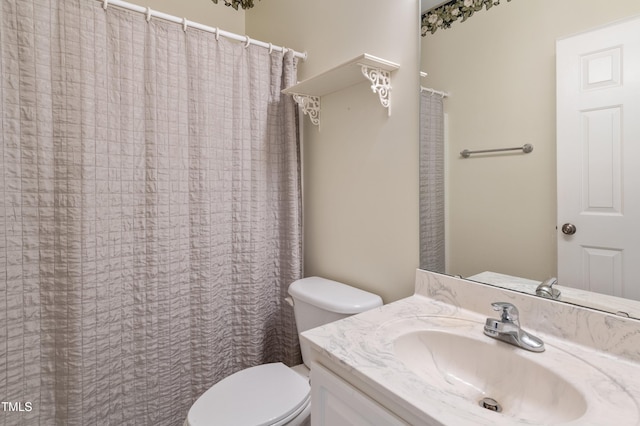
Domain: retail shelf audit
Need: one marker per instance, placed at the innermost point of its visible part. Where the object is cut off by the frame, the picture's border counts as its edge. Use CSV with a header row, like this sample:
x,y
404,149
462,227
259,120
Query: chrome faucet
x,y
507,328
546,289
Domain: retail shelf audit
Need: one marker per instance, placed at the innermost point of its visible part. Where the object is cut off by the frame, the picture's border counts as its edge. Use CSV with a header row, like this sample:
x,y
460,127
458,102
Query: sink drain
x,y
490,404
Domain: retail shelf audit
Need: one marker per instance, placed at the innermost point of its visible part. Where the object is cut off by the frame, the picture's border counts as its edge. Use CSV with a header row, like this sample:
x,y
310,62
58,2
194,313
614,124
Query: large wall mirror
x,y
499,68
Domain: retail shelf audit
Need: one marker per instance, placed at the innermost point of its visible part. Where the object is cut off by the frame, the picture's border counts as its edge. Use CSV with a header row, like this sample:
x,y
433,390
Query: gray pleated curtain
x,y
432,214
150,215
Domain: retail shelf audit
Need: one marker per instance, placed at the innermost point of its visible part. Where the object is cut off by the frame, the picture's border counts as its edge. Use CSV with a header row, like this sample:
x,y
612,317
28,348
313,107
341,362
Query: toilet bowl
x,y
274,394
269,394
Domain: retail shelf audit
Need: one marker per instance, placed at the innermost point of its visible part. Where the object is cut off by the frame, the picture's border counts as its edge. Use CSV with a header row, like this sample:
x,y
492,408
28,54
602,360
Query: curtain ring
x,y
105,4
270,48
217,33
148,14
284,50
184,24
248,42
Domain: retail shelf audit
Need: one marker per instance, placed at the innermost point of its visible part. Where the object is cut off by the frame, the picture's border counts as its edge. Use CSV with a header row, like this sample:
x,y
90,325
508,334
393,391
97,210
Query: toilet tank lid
x,y
333,296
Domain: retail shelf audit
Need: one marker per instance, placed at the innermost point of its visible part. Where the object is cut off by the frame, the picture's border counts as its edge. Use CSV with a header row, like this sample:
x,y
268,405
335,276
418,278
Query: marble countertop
x,y
363,346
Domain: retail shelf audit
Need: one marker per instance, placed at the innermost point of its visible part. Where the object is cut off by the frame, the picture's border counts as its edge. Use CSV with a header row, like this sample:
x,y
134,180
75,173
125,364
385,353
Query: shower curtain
x,y
432,215
150,213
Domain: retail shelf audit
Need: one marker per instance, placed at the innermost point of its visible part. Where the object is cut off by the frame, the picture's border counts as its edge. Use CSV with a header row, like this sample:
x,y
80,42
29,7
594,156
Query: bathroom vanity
x,y
425,360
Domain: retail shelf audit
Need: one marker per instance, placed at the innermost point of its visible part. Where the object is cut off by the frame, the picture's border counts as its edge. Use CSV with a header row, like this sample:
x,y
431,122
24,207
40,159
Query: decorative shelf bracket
x,y
310,106
380,84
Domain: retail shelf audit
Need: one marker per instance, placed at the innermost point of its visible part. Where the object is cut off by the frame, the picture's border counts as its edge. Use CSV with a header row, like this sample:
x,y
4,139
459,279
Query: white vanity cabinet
x,y
335,402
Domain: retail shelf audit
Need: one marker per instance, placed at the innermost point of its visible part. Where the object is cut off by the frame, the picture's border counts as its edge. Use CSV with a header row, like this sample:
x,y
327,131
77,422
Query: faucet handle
x,y
508,312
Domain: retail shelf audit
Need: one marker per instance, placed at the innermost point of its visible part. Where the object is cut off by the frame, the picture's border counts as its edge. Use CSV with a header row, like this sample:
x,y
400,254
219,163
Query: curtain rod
x,y
434,91
186,24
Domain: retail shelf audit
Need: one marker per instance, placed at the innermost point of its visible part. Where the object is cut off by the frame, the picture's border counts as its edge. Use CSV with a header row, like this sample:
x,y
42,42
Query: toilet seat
x,y
265,395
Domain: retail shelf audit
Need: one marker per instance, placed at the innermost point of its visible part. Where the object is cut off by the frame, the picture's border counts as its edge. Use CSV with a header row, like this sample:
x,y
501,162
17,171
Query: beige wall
x,y
500,69
201,11
361,166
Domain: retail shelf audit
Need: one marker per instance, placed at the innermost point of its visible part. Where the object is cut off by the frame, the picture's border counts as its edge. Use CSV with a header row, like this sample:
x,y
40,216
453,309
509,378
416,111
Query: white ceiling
x,y
430,4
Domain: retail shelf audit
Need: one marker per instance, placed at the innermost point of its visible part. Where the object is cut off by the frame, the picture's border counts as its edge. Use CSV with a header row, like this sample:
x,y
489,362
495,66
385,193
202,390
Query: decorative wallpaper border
x,y
245,4
443,16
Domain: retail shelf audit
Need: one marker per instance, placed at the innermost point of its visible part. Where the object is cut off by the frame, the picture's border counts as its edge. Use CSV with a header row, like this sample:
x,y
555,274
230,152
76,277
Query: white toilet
x,y
274,394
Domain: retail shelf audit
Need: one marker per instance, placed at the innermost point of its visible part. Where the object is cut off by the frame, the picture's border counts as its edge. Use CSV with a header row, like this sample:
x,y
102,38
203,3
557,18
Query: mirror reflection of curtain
x,y
432,220
150,213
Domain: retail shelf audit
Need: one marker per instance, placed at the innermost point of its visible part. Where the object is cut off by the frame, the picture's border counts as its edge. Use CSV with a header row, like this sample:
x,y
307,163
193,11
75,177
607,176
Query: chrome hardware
x,y
507,328
545,289
526,148
569,229
508,312
490,404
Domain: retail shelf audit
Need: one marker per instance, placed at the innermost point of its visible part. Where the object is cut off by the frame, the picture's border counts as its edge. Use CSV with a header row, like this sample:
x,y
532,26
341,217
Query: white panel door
x,y
598,159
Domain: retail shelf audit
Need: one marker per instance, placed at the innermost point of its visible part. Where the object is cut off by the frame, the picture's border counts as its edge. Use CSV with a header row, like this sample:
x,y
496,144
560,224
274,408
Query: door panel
x,y
598,149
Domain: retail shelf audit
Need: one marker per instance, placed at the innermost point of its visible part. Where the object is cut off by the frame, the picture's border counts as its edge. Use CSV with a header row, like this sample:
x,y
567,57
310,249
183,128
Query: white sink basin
x,y
477,368
455,357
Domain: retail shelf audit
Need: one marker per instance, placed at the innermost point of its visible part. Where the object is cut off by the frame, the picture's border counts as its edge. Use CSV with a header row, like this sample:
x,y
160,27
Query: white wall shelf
x,y
378,71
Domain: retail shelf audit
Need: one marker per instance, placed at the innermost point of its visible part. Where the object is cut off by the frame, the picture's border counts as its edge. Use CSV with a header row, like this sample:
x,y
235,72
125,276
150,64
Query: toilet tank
x,y
318,301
